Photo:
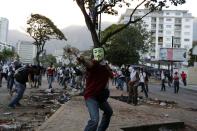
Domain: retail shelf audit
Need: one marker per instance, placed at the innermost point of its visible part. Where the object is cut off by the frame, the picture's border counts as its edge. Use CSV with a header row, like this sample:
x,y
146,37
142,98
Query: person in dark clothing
x,y
96,91
10,81
21,76
163,77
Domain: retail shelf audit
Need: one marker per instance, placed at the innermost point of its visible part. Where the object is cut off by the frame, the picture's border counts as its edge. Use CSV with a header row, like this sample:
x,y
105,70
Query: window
x,y
168,32
187,26
154,19
160,26
168,39
145,25
161,20
178,21
167,13
168,19
187,20
177,13
186,33
161,31
168,26
160,39
186,40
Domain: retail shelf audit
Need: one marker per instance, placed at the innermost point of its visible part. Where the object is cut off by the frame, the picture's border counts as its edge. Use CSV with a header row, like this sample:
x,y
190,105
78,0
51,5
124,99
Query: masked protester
x,y
96,91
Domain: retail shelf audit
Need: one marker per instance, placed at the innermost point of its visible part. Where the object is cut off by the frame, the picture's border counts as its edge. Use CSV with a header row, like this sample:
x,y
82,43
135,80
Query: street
x,y
183,109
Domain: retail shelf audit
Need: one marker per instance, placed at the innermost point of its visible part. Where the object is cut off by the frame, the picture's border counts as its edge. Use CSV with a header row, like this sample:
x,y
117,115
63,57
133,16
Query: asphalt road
x,y
186,98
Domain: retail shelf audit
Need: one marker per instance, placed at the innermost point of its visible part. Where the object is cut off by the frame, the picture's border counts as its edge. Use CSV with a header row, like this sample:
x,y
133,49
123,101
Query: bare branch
x,y
136,9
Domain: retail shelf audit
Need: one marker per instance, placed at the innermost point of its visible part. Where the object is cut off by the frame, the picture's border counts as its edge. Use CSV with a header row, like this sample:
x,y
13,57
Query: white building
x,y
26,51
3,30
165,26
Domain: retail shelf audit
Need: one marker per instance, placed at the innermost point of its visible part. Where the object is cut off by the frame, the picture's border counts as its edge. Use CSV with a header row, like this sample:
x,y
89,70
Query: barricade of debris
x,y
37,107
149,101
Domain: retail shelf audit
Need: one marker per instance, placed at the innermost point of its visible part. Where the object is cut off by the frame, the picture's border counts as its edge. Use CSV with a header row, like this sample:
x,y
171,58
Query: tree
x,y
69,53
126,47
42,29
46,60
192,58
6,54
91,9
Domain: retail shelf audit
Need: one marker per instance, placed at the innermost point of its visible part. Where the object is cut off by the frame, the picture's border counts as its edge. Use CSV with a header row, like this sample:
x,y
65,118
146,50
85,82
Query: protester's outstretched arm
x,y
85,62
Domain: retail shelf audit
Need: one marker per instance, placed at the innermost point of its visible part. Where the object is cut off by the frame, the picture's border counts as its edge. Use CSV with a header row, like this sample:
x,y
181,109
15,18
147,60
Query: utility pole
x,y
172,57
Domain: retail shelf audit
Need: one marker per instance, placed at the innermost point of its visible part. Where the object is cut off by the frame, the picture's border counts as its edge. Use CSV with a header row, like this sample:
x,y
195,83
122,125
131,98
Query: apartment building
x,y
168,28
3,30
26,51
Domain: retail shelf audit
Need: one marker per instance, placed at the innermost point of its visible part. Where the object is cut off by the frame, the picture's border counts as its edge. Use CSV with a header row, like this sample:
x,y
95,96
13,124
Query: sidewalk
x,y
73,116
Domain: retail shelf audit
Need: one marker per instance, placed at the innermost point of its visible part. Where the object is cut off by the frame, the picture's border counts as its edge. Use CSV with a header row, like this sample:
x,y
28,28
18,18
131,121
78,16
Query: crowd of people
x,y
17,75
92,79
133,77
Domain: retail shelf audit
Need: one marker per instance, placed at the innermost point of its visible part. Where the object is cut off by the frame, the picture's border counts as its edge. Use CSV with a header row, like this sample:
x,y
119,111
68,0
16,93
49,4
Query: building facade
x,y
195,29
3,30
26,51
168,28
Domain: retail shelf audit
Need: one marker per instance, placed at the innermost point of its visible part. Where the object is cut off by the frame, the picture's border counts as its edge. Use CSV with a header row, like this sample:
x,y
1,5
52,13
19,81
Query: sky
x,y
63,13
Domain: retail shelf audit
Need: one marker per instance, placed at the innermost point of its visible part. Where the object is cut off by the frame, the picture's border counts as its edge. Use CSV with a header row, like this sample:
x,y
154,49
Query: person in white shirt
x,y
142,76
132,86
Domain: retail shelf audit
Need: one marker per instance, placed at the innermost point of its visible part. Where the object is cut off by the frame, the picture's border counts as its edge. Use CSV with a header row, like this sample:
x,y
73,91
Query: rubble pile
x,y
37,107
149,101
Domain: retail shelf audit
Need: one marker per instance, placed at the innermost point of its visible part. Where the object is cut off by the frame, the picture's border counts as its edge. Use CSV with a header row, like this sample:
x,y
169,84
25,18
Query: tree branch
x,y
89,23
136,9
128,23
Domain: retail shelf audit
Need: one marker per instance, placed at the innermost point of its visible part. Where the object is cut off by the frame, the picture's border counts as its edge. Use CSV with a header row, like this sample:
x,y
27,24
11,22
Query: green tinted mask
x,y
98,54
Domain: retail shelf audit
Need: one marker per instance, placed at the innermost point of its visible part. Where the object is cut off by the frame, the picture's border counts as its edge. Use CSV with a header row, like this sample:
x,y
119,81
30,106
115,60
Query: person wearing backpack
x,y
21,76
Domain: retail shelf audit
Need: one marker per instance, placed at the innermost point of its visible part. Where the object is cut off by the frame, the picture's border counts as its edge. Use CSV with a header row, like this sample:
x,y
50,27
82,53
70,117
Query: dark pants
x,y
176,86
146,86
143,89
10,83
93,109
163,86
184,82
133,94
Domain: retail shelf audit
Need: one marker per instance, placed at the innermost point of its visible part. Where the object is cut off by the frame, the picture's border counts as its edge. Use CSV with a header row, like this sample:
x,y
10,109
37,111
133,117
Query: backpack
x,y
19,75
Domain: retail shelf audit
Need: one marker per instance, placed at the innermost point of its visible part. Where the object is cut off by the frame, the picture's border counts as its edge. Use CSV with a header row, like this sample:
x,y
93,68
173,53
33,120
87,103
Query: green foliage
x,y
42,29
192,58
46,60
6,54
125,47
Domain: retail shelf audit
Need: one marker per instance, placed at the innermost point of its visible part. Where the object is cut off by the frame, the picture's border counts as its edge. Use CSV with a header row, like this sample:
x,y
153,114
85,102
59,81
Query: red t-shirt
x,y
183,75
96,81
50,71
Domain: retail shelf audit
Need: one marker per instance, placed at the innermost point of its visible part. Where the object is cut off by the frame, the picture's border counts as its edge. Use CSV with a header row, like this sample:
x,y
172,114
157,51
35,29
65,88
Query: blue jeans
x,y
50,80
20,89
93,108
10,83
